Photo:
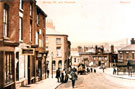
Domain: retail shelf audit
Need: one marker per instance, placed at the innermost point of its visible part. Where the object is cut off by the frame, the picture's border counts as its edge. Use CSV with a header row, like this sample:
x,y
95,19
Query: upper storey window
x,y
5,20
20,29
21,4
58,40
31,9
37,19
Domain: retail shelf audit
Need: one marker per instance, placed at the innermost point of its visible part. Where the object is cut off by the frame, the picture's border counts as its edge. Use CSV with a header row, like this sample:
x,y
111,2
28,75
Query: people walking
x,y
66,77
88,70
114,71
73,78
74,69
94,70
91,69
58,74
62,77
103,68
47,73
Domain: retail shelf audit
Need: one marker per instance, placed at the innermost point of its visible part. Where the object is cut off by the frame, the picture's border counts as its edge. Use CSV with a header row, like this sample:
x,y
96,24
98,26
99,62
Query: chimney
x,y
132,41
112,48
79,48
102,49
96,49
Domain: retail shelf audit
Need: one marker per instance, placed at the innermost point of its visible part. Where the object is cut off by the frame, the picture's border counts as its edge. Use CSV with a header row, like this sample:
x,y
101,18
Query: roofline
x,y
56,35
41,11
93,54
125,50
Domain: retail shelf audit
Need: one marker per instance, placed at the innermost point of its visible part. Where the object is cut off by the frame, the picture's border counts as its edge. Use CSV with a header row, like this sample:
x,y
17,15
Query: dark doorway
x,y
28,69
99,63
17,66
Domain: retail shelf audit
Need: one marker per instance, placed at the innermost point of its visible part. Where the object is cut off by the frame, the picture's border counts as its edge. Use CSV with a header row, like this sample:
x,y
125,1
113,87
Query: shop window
x,y
17,66
21,67
43,64
9,67
32,65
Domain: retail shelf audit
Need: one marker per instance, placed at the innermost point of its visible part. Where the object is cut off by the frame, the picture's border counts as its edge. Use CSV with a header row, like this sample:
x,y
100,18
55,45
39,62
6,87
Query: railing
x,y
127,66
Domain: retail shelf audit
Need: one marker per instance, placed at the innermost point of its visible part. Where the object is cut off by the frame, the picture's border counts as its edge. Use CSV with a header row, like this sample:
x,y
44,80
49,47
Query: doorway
x,y
99,63
28,69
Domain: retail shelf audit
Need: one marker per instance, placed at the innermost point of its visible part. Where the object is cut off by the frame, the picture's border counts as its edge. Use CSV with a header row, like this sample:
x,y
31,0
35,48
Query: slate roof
x,y
92,50
128,48
74,53
54,32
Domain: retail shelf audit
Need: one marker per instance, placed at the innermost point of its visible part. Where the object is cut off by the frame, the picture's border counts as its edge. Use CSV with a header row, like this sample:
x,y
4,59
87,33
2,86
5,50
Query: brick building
x,y
58,47
22,43
99,57
76,59
127,53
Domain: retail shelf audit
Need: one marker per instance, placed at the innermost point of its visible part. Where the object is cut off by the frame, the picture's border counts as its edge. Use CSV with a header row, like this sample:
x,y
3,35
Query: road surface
x,y
99,81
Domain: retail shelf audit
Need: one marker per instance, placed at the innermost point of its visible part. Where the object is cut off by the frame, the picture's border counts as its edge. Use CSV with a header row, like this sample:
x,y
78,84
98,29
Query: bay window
x,y
9,67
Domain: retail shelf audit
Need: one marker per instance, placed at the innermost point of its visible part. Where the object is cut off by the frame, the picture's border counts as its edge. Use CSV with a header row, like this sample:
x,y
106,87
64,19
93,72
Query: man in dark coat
x,y
62,77
58,74
91,69
74,78
47,73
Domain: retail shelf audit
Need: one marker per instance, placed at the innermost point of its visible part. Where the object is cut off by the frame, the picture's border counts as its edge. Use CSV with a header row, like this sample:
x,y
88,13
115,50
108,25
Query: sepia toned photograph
x,y
67,44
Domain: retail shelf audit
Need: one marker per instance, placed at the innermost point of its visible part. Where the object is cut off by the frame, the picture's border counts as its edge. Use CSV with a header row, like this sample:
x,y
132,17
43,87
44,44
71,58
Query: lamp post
x,y
52,63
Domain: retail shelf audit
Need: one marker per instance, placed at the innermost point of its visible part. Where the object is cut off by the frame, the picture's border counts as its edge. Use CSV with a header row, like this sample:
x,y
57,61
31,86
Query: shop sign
x,y
28,51
39,55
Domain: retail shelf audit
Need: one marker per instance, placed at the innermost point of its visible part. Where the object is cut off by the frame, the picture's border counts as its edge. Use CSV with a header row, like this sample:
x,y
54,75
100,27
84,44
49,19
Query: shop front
x,y
40,64
7,65
24,64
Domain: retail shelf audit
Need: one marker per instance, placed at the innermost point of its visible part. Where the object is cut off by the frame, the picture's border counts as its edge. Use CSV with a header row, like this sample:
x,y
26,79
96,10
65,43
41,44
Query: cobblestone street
x,y
99,81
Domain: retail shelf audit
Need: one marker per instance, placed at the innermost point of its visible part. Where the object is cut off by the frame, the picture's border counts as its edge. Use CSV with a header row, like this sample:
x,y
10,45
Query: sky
x,y
92,20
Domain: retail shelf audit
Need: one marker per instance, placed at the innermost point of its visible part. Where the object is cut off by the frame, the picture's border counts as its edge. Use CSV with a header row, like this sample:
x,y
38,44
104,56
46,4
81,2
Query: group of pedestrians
x,y
63,76
91,70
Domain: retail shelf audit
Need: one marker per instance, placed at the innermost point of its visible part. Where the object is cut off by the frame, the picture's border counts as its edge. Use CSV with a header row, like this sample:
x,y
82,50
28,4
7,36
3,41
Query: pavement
x,y
99,80
109,71
49,83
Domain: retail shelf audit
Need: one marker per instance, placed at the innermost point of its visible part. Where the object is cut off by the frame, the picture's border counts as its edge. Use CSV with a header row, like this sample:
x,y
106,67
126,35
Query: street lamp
x,y
52,63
